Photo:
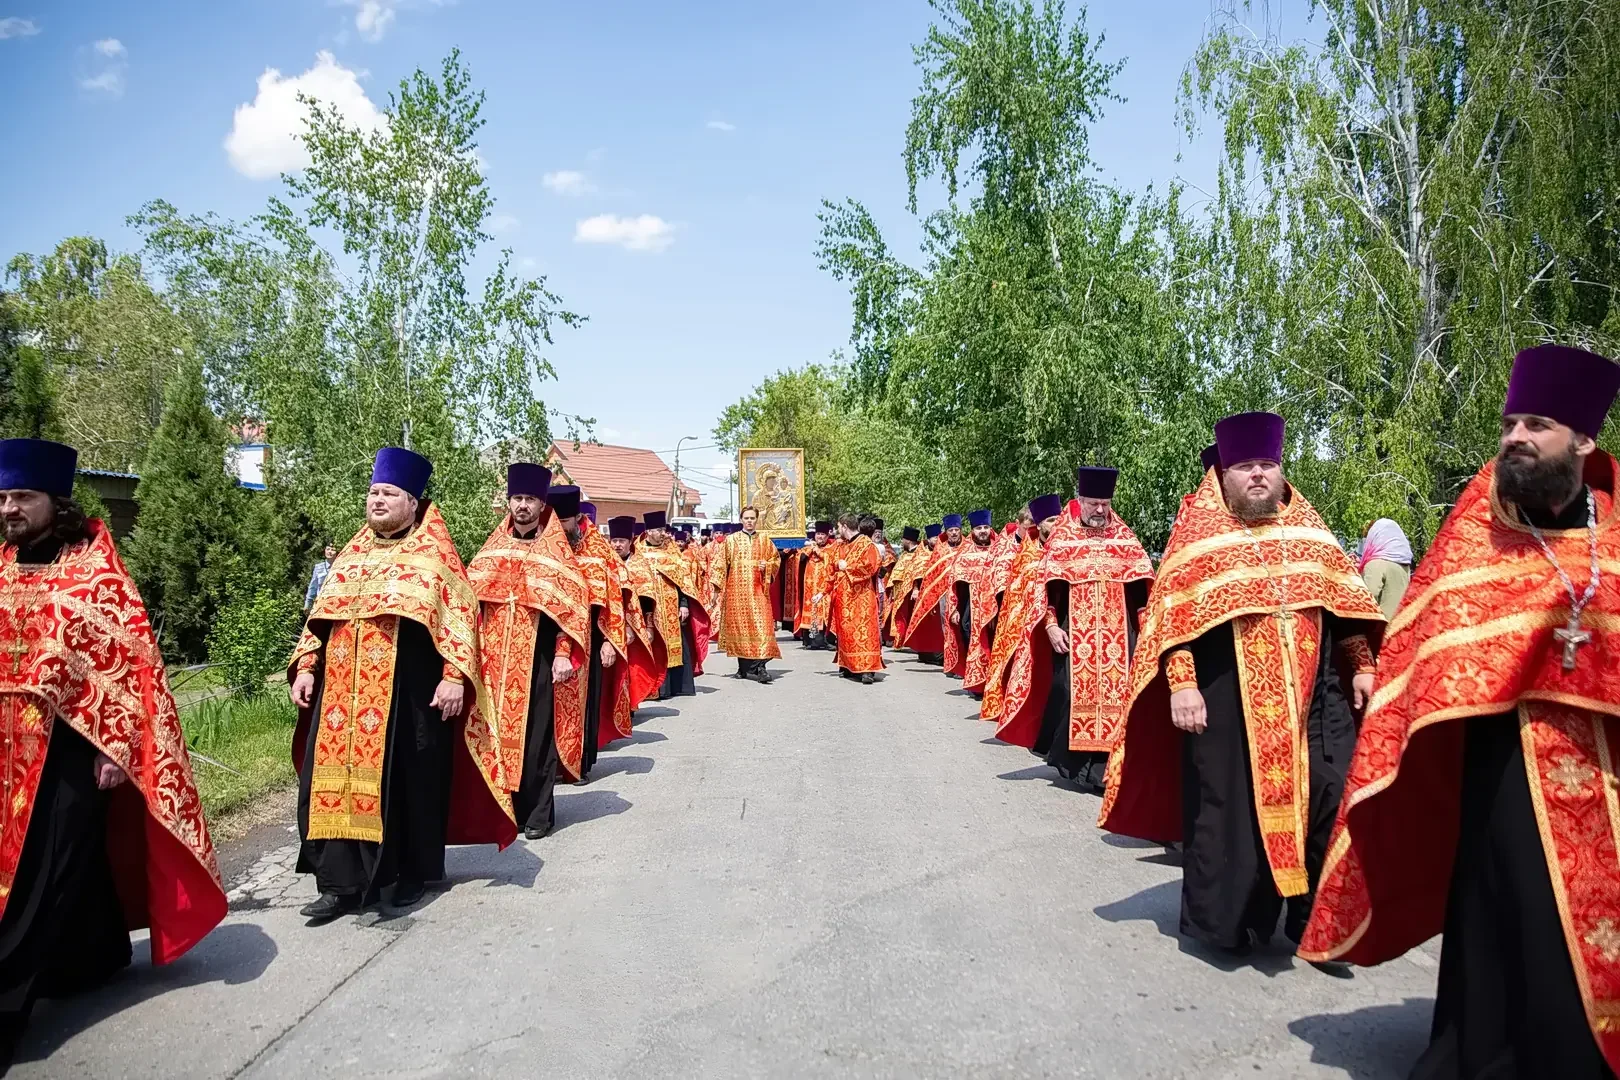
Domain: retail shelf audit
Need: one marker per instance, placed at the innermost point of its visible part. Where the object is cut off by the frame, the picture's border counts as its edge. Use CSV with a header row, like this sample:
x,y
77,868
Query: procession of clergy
x,y
1369,785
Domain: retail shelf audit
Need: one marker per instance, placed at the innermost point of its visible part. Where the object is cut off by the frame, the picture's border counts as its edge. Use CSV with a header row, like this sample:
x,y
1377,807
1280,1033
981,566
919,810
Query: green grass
x,y
253,736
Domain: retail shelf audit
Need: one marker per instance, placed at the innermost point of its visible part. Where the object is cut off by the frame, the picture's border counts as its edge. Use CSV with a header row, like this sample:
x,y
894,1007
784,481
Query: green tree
x,y
398,348
1402,207
199,537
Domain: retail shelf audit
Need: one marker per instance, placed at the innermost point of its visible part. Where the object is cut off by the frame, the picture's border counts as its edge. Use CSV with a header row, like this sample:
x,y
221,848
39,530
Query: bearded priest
x,y
1240,727
1481,799
101,830
930,631
744,567
975,610
387,683
855,600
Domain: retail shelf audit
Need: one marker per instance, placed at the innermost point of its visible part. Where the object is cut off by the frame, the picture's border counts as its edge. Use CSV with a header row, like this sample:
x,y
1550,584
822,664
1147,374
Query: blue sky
x,y
699,136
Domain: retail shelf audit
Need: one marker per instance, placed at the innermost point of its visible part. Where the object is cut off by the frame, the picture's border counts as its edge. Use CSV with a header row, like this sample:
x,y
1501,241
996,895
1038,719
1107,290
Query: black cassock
x,y
678,681
1227,888
1508,1004
63,930
1052,742
534,803
593,696
415,783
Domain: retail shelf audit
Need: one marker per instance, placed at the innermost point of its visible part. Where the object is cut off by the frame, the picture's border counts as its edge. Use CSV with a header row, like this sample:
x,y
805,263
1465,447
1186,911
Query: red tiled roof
x,y
617,472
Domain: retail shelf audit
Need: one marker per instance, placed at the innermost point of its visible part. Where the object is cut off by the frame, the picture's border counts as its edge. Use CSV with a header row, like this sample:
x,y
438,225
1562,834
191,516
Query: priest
x,y
1023,606
902,584
394,747
745,566
1097,577
855,599
817,588
102,832
926,630
1481,798
680,617
1240,726
975,610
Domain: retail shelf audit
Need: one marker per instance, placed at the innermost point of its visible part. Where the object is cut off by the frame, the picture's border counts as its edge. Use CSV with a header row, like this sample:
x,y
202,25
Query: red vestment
x,y
975,567
76,648
925,628
860,648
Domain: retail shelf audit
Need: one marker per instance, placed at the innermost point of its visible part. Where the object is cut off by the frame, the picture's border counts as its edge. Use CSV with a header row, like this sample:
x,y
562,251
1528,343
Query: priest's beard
x,y
1252,507
1535,482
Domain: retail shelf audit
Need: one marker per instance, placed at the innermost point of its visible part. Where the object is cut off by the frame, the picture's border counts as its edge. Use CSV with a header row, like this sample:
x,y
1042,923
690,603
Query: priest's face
x,y
981,534
329,552
25,516
953,535
749,517
389,509
1047,525
907,545
1094,513
525,511
624,546
571,526
1254,489
656,537
1540,462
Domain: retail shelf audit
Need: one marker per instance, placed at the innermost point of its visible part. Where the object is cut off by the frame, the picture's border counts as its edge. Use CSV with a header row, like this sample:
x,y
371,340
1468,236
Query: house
x,y
116,490
620,480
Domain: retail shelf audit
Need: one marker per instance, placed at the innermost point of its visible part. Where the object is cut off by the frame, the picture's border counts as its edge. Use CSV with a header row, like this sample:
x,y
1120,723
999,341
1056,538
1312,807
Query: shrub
x,y
253,637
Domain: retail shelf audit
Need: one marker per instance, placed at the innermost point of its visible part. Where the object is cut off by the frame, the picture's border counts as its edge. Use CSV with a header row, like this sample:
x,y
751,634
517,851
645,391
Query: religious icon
x,y
772,482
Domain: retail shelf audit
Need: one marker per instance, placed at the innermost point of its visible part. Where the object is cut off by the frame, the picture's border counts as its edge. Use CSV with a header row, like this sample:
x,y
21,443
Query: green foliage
x,y
28,407
399,348
199,536
245,740
252,637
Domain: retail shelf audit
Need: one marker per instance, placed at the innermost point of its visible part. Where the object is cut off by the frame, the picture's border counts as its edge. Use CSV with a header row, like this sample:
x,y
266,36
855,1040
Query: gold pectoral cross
x,y
1572,637
17,650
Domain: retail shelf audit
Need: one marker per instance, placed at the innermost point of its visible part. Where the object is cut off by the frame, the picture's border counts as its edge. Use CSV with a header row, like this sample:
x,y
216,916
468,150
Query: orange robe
x,y
1023,605
927,625
641,616
518,582
1096,564
816,600
667,579
1212,576
854,585
975,568
744,568
788,582
1475,638
76,648
903,577
611,603
372,585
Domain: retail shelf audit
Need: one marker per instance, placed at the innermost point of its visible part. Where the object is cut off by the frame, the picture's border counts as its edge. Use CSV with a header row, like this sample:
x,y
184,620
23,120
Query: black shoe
x,y
407,893
532,833
867,679
328,906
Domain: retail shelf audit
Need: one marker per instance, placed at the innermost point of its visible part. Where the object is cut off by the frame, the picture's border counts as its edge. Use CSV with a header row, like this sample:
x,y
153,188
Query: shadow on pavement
x,y
1161,905
517,865
1375,1043
575,809
628,763
235,953
641,737
653,712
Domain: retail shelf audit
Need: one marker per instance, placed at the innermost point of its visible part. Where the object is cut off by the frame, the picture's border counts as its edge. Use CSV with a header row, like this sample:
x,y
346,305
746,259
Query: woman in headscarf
x,y
1386,564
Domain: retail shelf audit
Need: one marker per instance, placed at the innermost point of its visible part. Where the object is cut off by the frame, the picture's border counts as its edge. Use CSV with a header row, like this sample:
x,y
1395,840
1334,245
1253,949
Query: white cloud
x,y
568,182
264,139
528,262
11,26
643,233
721,125
503,223
372,18
102,65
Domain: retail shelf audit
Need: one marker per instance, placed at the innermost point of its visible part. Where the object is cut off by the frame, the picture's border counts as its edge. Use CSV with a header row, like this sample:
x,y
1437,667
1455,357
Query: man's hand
x,y
107,773
561,669
956,617
1187,711
449,698
686,613
1361,686
303,689
1059,639
607,654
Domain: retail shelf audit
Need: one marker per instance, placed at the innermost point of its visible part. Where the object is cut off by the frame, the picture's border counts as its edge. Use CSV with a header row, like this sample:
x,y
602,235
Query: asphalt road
x,y
812,878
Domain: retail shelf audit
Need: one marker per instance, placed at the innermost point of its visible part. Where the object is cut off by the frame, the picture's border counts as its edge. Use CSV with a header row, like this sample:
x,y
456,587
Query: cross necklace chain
x,y
1572,635
1282,613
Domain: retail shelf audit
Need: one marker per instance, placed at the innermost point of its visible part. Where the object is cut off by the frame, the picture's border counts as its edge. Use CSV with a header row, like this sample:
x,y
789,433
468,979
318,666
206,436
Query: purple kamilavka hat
x,y
1211,457
405,469
1042,507
1095,482
621,528
1572,386
527,478
979,519
37,465
1251,436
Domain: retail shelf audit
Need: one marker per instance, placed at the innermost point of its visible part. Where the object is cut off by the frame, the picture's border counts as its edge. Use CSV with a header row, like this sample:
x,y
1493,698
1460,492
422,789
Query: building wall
x,y
610,508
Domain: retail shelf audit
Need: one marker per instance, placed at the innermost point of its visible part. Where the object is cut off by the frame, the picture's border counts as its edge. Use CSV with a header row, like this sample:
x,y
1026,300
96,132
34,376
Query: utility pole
x,y
681,493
